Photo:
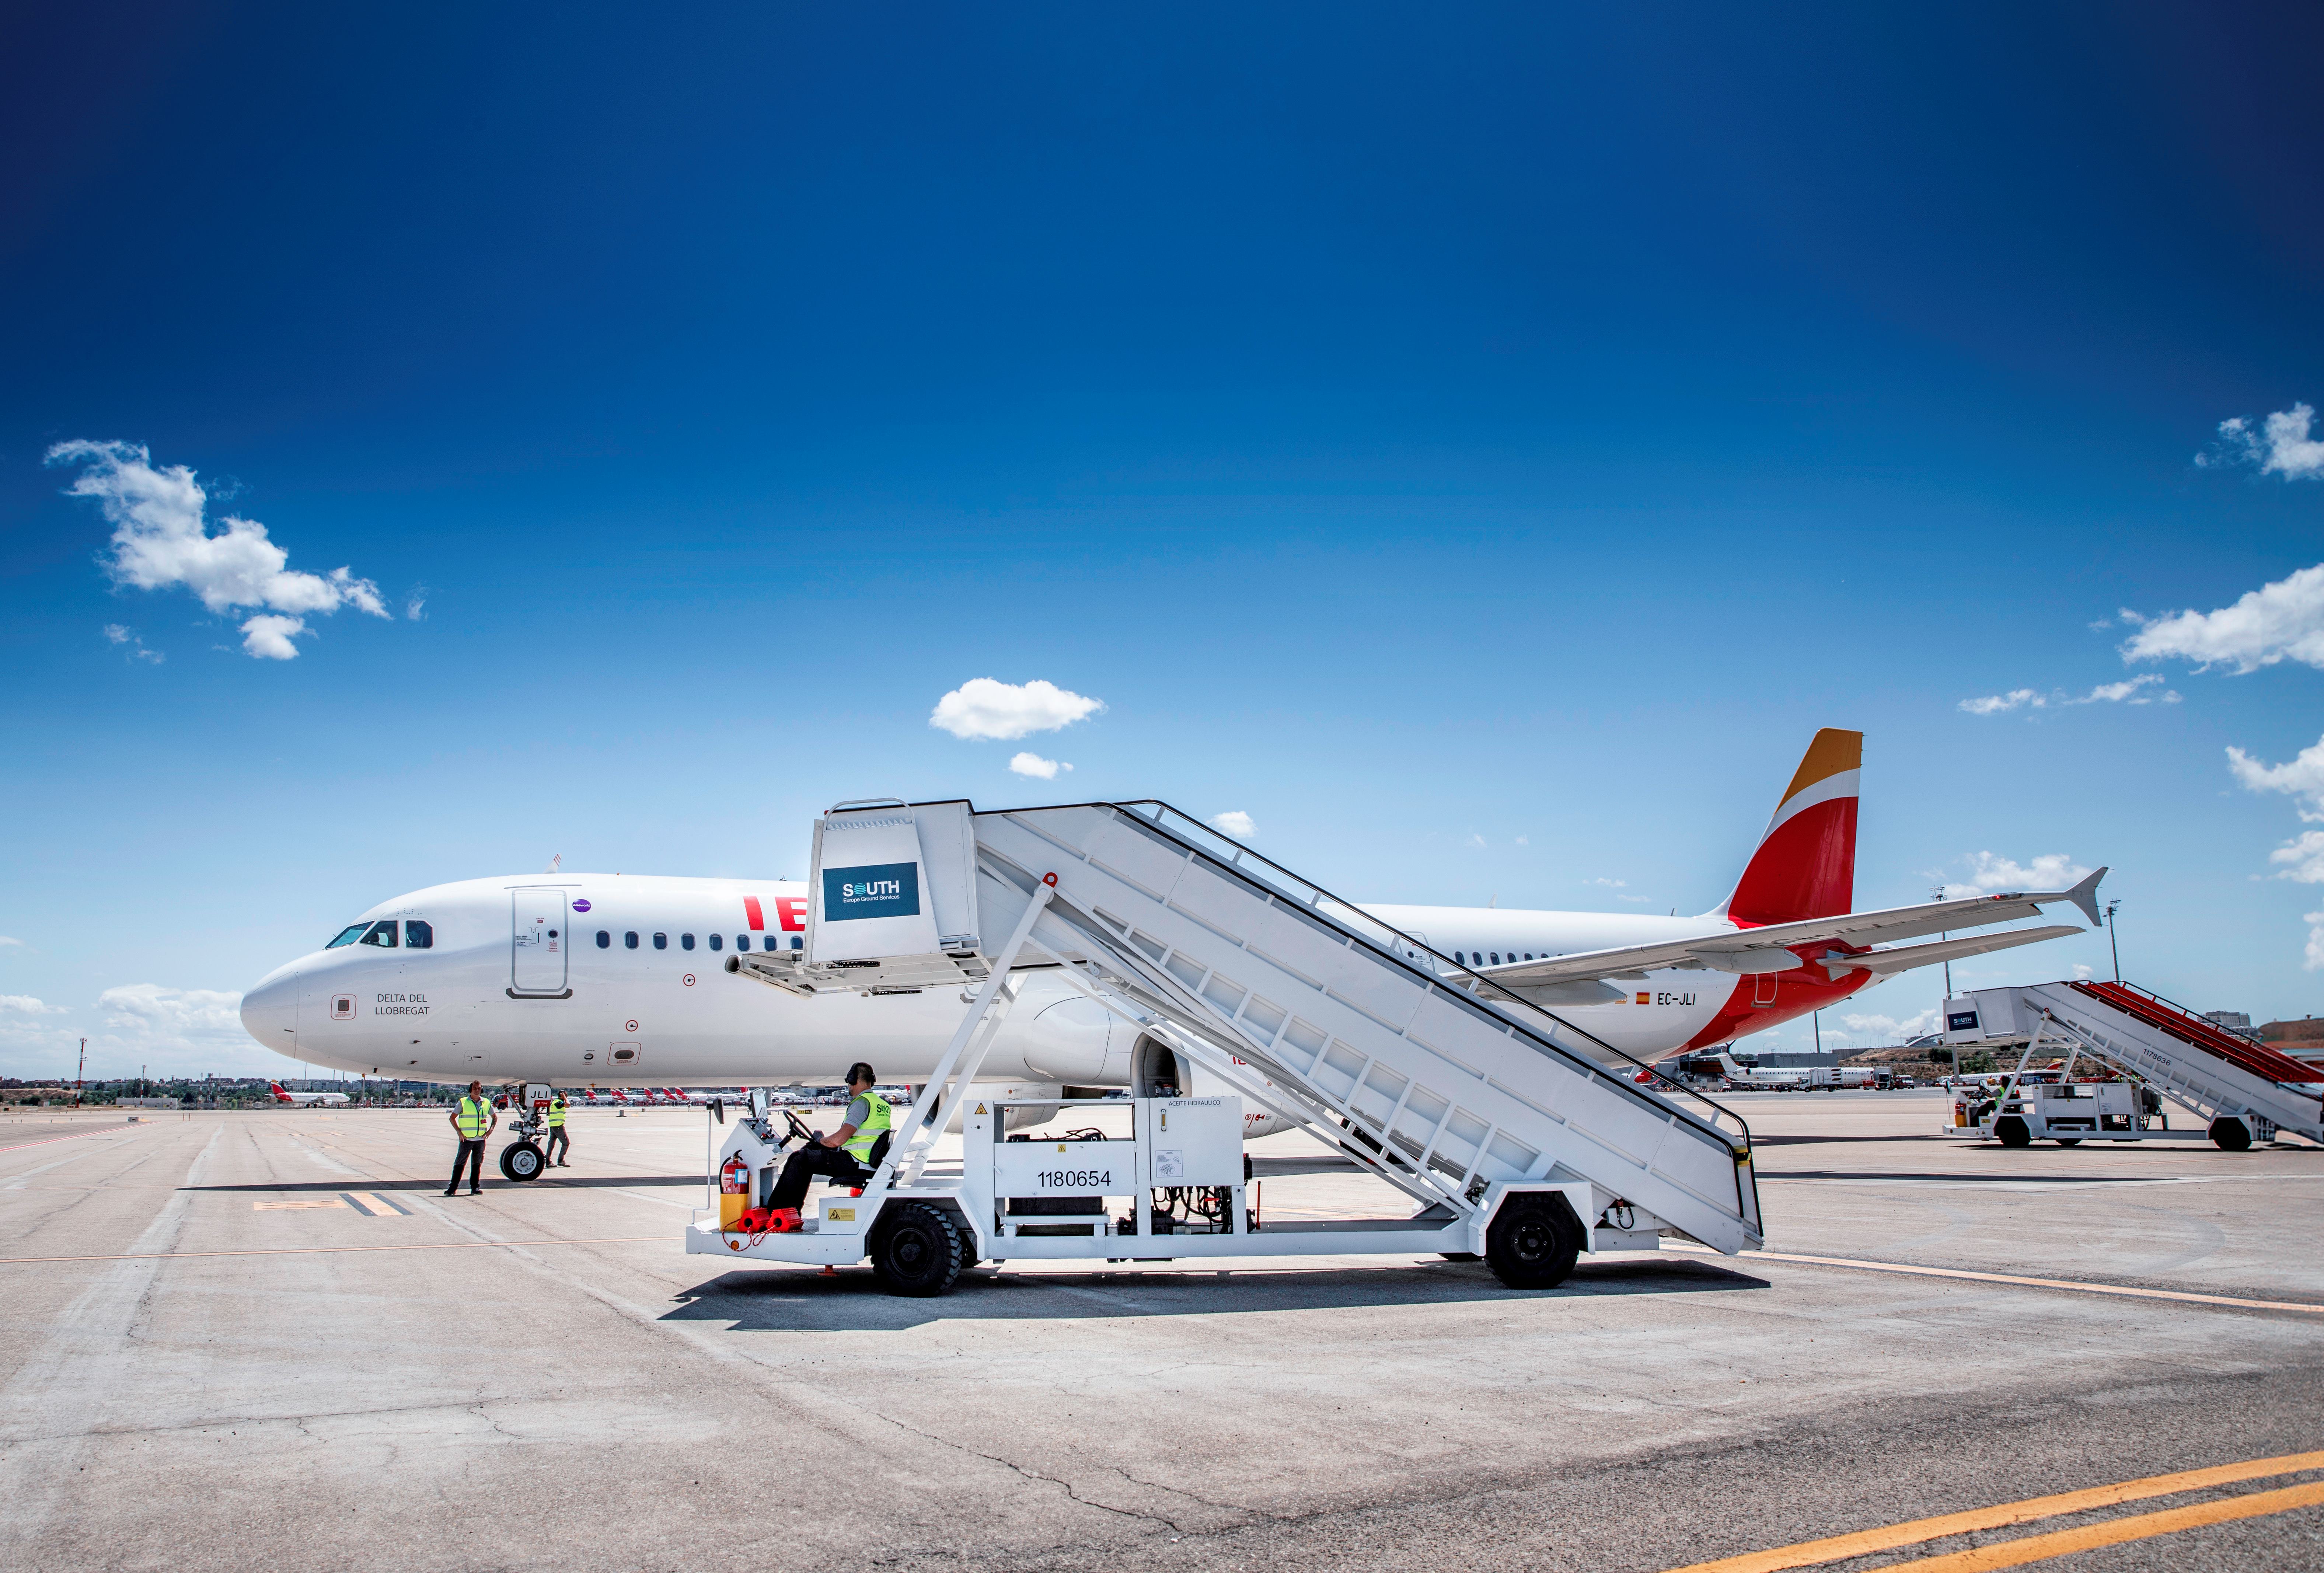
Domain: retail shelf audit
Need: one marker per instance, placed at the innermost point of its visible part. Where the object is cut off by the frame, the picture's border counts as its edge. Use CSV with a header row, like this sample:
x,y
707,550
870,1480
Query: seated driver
x,y
847,1156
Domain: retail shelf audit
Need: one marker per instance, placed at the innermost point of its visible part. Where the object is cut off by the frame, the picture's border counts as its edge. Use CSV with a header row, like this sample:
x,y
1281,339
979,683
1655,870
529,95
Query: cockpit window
x,y
381,933
419,936
348,936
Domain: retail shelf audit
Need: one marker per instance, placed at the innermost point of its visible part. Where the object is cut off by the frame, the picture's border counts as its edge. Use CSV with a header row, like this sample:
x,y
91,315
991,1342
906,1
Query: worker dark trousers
x,y
471,1153
809,1161
557,1144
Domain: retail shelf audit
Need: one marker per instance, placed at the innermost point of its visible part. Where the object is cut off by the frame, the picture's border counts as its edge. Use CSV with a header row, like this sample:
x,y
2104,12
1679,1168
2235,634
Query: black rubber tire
x,y
2068,1141
2011,1131
521,1161
2231,1135
917,1252
1533,1241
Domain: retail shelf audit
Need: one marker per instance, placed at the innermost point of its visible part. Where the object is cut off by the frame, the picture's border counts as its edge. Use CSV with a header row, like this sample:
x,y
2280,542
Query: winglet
x,y
2085,895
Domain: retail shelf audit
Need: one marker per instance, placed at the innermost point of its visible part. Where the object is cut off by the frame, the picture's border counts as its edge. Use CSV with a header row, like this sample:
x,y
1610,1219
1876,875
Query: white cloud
x,y
2083,972
2282,621
132,645
2130,690
1995,704
985,707
24,1005
2303,857
1525,840
1879,1030
149,1010
162,541
1989,872
269,636
6,940
2280,445
1033,764
1609,883
2302,778
1235,823
415,603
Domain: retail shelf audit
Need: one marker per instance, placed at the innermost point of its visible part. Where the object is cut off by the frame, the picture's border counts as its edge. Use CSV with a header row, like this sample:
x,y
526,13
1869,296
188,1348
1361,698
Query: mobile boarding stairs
x,y
2239,1091
1514,1135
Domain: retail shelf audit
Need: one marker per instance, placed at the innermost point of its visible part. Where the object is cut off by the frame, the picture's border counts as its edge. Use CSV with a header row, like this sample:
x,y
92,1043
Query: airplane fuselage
x,y
620,980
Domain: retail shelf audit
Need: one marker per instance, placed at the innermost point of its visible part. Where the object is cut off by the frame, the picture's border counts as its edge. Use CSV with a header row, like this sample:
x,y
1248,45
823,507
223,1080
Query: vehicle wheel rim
x,y
1533,1241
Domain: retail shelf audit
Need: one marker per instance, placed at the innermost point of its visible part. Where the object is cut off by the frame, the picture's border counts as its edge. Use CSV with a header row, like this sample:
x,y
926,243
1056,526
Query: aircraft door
x,y
537,942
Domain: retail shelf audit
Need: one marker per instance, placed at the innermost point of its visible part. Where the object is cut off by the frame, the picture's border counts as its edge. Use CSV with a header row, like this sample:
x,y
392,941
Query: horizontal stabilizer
x,y
1745,950
1902,957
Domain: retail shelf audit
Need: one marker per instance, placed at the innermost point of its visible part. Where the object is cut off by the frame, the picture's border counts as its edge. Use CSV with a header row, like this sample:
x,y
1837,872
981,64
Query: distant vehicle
x,y
304,1100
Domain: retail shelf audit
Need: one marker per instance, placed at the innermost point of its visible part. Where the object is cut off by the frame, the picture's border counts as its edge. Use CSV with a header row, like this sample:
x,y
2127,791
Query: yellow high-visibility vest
x,y
859,1145
475,1114
556,1114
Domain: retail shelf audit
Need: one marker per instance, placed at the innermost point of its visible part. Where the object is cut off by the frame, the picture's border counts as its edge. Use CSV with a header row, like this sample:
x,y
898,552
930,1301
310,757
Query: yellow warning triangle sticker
x,y
980,1108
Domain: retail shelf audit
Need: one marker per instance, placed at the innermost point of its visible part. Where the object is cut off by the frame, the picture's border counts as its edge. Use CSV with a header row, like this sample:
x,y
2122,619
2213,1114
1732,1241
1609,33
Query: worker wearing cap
x,y
474,1118
847,1156
560,1144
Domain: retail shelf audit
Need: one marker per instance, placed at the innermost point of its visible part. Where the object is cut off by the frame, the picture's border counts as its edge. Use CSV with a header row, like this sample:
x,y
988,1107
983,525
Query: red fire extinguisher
x,y
734,1192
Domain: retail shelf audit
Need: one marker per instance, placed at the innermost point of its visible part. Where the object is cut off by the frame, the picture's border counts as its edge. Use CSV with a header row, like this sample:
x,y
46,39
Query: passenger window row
x,y
1478,958
685,941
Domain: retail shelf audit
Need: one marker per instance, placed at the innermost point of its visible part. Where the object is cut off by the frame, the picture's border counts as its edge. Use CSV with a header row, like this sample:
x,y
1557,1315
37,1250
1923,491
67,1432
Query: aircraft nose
x,y
269,1012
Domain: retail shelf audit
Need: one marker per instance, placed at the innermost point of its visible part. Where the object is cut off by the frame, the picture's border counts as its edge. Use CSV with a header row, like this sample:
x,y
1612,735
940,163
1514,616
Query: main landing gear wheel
x,y
918,1252
2232,1135
1533,1241
2011,1131
521,1161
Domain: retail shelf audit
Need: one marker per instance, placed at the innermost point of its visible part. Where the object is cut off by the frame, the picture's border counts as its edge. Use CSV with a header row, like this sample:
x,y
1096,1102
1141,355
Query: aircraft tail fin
x,y
1805,863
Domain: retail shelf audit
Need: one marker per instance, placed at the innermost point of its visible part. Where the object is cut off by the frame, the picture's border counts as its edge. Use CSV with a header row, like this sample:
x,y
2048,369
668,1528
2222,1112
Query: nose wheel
x,y
521,1161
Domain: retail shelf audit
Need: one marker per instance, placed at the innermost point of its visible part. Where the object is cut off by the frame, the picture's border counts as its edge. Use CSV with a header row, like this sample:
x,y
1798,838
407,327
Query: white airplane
x,y
1717,1066
614,979
305,1100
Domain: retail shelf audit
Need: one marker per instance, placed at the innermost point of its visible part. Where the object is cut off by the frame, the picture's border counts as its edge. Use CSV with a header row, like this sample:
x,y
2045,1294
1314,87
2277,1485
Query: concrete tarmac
x,y
266,1339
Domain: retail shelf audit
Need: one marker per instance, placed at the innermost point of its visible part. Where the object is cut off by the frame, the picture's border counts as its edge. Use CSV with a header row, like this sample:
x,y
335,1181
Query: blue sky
x,y
1421,429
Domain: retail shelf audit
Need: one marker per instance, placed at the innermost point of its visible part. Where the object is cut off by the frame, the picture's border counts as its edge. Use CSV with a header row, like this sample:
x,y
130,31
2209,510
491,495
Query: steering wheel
x,y
799,1127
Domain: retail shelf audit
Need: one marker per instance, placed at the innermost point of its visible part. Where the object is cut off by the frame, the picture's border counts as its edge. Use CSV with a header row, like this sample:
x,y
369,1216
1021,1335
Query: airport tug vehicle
x,y
1515,1136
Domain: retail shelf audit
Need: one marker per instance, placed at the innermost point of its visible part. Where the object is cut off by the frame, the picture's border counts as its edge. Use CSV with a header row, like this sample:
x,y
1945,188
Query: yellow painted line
x,y
287,1206
2186,1297
2116,1531
332,1250
1864,1542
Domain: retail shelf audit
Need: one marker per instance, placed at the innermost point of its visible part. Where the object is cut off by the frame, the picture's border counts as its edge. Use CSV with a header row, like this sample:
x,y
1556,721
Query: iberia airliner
x,y
622,979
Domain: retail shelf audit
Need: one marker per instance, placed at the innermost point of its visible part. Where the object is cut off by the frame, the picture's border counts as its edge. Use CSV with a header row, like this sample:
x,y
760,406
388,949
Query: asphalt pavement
x,y
266,1339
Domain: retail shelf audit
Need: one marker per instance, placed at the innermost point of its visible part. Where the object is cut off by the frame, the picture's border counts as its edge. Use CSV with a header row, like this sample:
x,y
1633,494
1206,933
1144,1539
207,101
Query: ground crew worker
x,y
475,1119
558,1142
848,1155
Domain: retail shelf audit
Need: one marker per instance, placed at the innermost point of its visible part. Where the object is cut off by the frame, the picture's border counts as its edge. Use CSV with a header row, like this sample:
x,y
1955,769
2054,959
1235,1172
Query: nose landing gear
x,y
522,1159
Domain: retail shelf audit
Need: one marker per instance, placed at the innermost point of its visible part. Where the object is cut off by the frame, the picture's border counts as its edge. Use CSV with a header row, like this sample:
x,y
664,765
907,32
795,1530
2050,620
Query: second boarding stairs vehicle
x,y
2152,1053
1511,1134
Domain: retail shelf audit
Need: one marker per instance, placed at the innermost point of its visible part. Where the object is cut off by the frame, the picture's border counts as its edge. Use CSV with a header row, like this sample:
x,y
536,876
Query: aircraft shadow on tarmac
x,y
803,1300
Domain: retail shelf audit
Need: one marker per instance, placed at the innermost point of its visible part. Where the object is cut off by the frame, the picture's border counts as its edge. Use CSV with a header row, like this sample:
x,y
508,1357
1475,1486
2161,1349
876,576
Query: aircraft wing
x,y
1771,946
